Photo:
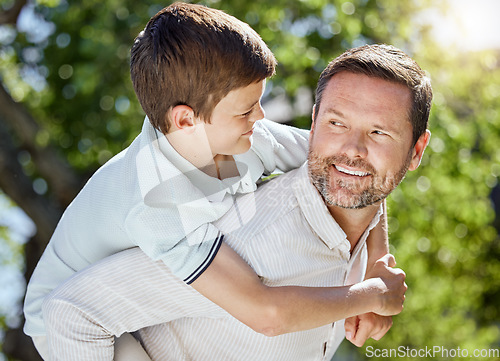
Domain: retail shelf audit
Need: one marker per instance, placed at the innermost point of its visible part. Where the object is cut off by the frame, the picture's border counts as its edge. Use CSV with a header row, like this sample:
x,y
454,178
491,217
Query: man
x,y
307,228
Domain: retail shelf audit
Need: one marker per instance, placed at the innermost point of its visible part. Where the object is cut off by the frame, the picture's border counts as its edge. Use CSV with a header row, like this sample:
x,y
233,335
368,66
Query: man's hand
x,y
390,285
360,328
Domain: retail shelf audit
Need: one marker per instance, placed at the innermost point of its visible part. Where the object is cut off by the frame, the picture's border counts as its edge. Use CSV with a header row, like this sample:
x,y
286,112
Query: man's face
x,y
360,142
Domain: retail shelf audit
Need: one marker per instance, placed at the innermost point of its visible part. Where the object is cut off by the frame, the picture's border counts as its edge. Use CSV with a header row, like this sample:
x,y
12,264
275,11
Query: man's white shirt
x,y
287,235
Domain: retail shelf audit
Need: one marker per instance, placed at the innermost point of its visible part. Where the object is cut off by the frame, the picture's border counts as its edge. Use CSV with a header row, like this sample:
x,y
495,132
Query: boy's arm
x,y
280,146
232,284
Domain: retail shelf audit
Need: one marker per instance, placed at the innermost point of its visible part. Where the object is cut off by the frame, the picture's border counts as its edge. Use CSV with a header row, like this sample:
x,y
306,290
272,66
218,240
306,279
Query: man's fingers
x,y
363,333
368,325
384,327
351,326
377,336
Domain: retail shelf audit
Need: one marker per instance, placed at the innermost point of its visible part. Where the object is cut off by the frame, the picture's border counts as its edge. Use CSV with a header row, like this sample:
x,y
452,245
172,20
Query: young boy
x,y
199,75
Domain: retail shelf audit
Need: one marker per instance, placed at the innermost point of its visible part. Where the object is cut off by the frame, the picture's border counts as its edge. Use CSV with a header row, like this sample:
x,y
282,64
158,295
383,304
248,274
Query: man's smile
x,y
350,172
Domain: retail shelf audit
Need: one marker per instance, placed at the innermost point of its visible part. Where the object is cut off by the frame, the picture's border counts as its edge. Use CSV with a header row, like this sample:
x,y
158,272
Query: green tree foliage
x,y
442,220
67,66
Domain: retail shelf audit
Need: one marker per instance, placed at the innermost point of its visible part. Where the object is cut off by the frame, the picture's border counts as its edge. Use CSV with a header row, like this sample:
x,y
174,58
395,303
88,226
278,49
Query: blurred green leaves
x,y
445,239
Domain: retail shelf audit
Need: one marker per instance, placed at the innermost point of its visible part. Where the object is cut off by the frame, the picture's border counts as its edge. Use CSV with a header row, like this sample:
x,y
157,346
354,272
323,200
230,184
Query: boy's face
x,y
233,118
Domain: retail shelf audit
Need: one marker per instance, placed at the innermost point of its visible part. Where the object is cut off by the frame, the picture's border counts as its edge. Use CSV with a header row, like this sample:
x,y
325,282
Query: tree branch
x,y
19,346
19,187
61,178
10,16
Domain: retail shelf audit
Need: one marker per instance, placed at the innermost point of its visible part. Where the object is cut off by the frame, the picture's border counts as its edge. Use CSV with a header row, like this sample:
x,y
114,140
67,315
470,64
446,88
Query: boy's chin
x,y
243,147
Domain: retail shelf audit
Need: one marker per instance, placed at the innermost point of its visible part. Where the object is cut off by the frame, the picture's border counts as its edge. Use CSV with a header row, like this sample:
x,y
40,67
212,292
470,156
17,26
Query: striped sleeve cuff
x,y
208,260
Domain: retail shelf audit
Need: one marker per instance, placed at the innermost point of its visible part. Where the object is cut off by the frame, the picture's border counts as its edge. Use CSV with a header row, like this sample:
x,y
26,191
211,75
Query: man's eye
x,y
337,124
379,132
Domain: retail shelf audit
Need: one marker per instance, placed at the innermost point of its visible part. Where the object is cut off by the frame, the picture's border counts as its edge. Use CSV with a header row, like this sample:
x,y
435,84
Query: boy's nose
x,y
259,114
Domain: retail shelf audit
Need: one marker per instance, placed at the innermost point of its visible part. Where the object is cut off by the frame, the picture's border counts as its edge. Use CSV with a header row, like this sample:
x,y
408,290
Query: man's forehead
x,y
360,90
383,103
354,79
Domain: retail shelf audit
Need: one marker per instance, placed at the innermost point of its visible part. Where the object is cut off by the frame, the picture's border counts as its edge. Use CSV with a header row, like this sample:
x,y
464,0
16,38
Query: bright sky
x,y
468,24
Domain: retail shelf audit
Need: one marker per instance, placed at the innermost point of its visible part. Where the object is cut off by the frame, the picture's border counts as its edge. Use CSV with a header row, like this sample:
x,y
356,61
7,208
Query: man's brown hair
x,y
193,55
389,63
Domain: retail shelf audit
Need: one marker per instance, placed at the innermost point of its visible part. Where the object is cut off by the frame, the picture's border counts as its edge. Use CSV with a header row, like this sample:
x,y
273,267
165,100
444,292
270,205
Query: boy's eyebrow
x,y
251,106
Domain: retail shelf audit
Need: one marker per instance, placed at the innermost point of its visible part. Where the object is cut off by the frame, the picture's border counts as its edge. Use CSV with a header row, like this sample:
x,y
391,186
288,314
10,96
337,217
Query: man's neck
x,y
354,221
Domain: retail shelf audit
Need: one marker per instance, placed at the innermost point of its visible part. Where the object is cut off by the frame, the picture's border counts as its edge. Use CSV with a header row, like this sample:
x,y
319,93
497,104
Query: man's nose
x,y
355,144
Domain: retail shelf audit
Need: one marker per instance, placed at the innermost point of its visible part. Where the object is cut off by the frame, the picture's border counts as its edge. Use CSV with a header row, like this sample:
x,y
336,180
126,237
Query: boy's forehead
x,y
244,97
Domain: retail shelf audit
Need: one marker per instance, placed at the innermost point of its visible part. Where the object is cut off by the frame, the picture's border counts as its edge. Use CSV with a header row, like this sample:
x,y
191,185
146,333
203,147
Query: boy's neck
x,y
197,151
222,167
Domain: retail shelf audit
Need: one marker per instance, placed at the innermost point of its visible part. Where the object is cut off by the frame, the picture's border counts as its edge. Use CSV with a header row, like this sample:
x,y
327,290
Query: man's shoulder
x,y
268,205
284,181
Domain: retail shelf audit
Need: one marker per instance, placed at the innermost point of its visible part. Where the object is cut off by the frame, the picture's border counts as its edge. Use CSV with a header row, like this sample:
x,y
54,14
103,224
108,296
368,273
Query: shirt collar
x,y
161,162
161,183
317,214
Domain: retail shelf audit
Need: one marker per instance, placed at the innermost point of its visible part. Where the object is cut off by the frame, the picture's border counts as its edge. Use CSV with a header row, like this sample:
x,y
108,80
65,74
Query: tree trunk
x,y
18,132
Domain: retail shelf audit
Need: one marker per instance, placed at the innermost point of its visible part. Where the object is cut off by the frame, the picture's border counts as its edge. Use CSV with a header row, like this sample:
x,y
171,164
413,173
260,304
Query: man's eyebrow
x,y
334,111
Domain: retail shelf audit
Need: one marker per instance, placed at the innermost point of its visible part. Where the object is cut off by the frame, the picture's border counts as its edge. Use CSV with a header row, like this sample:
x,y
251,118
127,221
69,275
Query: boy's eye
x,y
246,114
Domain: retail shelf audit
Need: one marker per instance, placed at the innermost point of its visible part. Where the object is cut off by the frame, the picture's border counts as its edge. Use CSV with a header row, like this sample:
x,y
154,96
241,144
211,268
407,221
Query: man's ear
x,y
182,117
313,116
418,150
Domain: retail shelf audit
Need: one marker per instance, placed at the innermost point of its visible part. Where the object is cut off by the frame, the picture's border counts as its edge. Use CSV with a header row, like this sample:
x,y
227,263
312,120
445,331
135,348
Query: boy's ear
x,y
182,117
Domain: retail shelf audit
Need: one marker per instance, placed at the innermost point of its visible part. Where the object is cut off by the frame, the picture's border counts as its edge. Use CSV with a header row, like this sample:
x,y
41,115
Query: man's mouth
x,y
351,172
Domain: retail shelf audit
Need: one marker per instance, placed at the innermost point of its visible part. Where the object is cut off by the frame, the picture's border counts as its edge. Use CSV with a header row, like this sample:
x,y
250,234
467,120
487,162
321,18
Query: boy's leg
x,y
127,348
41,346
122,293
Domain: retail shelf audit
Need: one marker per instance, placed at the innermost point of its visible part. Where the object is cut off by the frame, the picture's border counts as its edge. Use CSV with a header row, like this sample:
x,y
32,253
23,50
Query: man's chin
x,y
352,201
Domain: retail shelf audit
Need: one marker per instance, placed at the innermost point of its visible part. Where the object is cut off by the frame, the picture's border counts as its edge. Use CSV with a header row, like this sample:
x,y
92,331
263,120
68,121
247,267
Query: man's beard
x,y
351,193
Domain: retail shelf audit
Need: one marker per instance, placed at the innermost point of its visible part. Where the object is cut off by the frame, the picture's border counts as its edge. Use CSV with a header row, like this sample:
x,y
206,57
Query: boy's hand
x,y
390,286
360,328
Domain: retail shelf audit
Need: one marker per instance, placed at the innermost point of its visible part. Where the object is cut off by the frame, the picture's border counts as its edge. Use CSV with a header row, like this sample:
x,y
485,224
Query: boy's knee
x,y
55,308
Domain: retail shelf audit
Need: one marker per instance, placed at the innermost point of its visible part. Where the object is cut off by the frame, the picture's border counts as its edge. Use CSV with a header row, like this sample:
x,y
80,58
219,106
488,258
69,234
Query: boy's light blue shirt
x,y
150,196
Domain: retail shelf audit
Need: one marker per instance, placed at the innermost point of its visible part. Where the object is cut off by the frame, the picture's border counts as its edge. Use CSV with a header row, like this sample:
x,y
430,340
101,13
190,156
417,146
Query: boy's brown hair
x,y
389,63
193,55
